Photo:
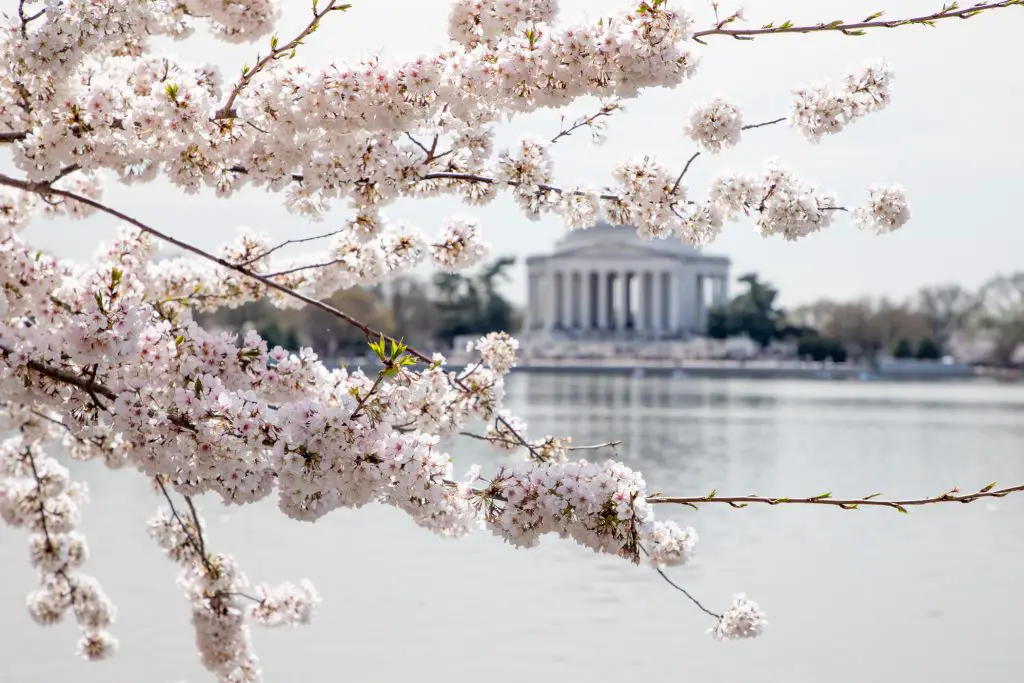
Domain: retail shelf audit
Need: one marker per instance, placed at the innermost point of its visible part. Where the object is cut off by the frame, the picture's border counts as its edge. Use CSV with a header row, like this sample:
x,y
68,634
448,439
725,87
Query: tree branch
x,y
227,111
44,189
952,11
953,496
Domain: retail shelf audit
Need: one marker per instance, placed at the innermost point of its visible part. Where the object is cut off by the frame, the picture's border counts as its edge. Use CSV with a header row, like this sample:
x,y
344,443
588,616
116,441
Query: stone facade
x,y
608,282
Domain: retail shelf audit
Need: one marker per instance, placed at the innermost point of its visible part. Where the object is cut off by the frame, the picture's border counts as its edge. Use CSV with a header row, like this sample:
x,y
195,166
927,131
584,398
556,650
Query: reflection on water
x,y
851,596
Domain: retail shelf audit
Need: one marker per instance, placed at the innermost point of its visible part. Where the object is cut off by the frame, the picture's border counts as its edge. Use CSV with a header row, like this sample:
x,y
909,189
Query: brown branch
x,y
499,440
683,172
953,496
13,136
857,28
267,282
752,126
227,111
197,546
286,243
679,588
58,374
606,110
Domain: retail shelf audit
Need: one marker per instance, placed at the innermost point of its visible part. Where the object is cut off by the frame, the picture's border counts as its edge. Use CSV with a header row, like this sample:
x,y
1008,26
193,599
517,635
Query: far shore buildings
x,y
609,283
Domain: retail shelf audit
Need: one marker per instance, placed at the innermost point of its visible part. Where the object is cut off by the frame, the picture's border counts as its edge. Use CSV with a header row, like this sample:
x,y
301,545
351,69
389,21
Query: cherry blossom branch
x,y
508,442
276,51
12,137
952,496
45,189
27,19
606,110
287,243
197,546
951,11
64,376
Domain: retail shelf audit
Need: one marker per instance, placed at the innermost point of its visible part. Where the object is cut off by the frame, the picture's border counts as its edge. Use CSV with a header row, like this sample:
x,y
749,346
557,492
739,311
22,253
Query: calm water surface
x,y
936,595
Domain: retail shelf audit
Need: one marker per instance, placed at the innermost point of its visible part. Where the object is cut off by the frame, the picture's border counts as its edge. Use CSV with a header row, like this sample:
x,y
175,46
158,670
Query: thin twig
x,y
752,126
197,547
680,588
227,111
856,28
195,520
499,440
953,496
683,172
606,110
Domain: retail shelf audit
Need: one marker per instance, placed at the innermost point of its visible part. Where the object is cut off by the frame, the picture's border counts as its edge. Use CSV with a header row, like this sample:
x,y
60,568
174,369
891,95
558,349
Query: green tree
x,y
473,304
752,313
817,348
903,348
929,349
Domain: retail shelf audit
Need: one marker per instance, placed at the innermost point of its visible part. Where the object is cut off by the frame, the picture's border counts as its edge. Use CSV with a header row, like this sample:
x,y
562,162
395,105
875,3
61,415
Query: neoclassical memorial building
x,y
608,282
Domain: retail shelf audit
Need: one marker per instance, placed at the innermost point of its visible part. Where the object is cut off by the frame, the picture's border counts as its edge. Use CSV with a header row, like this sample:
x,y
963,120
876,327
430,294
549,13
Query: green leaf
x,y
988,488
902,509
711,495
872,17
115,277
273,43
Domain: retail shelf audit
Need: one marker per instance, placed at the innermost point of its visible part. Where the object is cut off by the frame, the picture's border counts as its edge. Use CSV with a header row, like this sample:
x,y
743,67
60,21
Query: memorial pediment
x,y
614,250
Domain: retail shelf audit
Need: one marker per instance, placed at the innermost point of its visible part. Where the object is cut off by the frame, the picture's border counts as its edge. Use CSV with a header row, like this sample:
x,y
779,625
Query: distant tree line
x,y
927,325
425,313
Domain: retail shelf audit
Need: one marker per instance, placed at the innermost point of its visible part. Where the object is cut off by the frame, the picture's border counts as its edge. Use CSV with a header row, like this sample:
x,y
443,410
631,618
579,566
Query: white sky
x,y
952,137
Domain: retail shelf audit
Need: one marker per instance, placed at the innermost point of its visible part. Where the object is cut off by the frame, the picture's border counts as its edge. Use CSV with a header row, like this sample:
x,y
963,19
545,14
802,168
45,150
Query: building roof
x,y
604,237
605,234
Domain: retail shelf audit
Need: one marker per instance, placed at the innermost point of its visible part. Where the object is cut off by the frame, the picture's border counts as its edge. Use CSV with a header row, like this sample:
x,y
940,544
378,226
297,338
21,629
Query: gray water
x,y
855,596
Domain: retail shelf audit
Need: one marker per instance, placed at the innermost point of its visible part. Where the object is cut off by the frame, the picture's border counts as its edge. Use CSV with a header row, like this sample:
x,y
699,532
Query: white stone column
x,y
657,302
674,308
586,306
701,309
565,315
623,316
602,300
547,299
531,301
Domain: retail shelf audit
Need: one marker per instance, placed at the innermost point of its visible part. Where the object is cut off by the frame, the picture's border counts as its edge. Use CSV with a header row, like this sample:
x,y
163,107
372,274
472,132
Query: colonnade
x,y
655,302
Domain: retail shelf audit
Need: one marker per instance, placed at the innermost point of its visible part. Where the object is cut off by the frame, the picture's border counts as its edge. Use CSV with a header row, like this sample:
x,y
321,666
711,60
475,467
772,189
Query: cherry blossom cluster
x,y
715,124
786,204
497,350
823,110
743,620
887,210
221,605
472,22
601,507
37,494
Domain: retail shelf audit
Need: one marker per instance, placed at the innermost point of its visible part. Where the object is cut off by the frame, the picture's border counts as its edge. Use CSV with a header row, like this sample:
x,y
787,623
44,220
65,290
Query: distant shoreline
x,y
898,371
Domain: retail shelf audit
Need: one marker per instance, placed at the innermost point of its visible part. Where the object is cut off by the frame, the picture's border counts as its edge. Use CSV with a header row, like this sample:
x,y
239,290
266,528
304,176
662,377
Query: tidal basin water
x,y
936,595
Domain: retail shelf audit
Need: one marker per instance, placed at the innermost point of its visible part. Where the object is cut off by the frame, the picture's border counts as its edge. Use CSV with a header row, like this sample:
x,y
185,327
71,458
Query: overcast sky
x,y
952,137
